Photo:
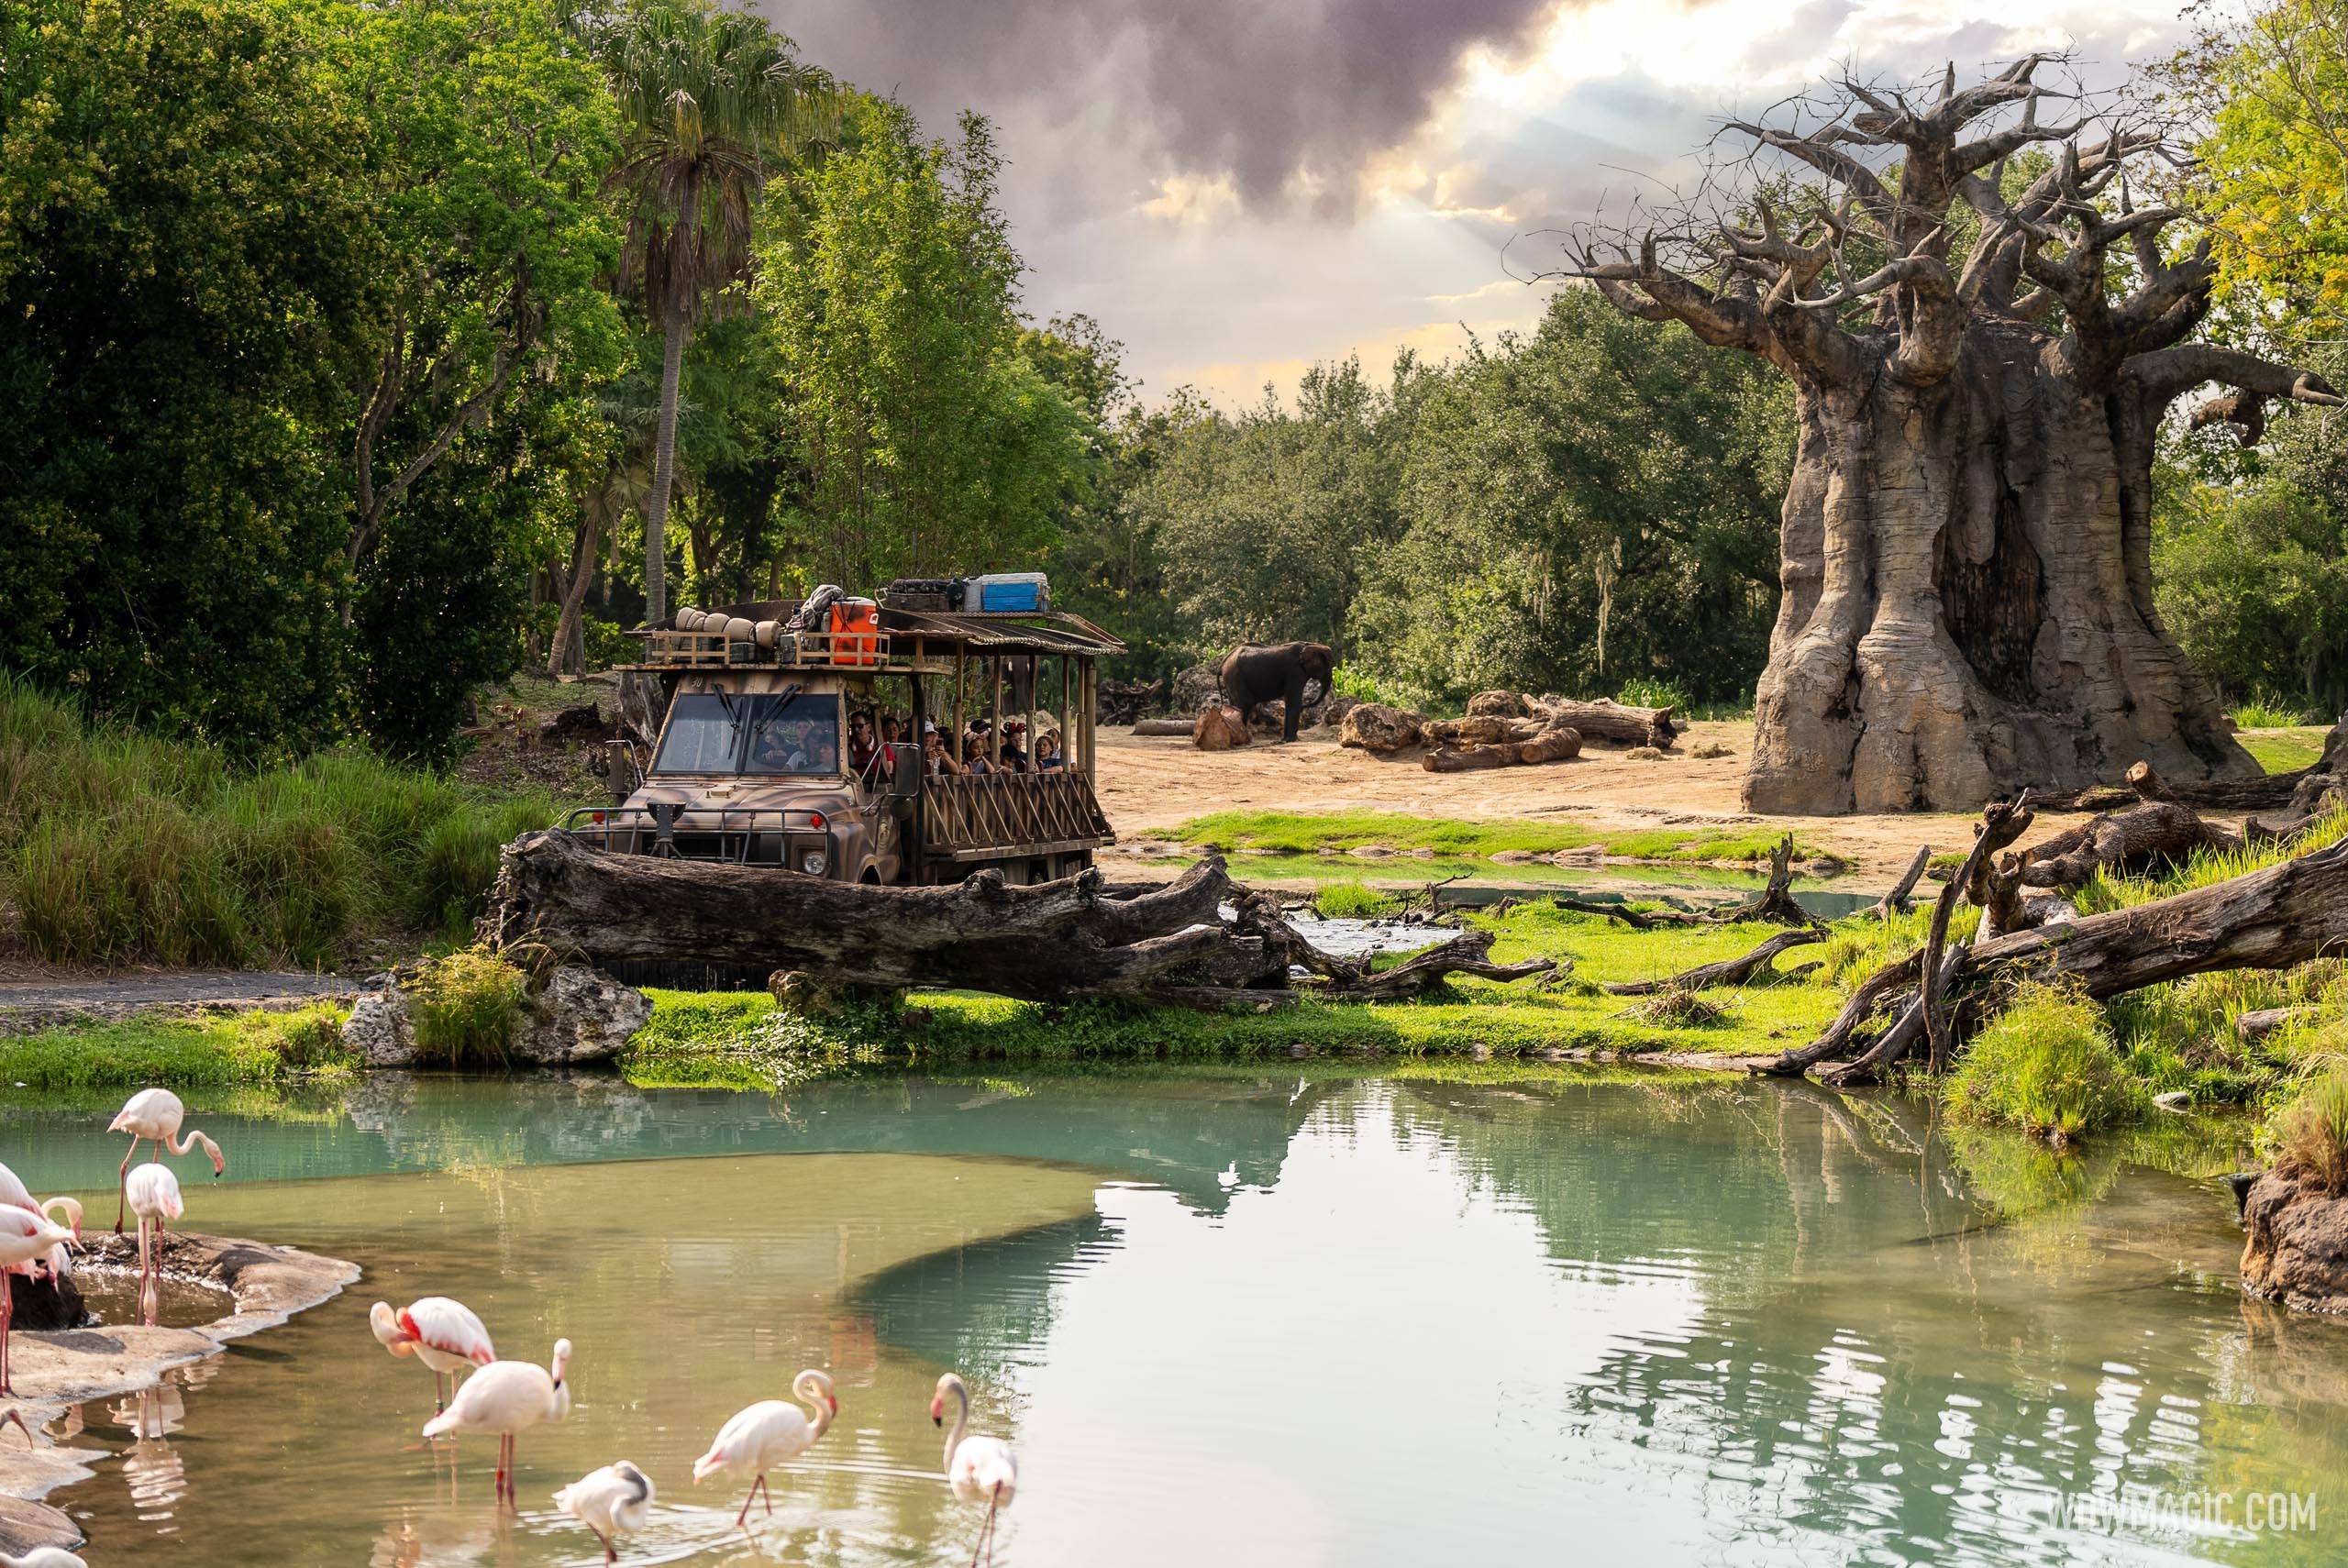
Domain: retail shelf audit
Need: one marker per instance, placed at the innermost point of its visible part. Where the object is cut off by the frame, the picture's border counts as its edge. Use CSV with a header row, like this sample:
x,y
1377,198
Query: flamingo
x,y
154,1196
507,1398
17,1195
613,1501
978,1469
155,1113
43,1557
770,1432
25,1236
442,1333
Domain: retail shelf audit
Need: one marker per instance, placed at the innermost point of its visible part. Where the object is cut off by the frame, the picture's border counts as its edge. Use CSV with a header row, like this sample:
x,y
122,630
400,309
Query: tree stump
x,y
1375,726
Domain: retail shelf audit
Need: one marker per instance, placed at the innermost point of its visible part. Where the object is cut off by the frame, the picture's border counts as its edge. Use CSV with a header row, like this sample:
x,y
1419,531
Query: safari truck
x,y
757,762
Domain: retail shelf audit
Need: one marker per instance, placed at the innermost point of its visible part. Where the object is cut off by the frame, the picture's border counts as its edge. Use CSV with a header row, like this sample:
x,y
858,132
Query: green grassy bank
x,y
1312,833
117,847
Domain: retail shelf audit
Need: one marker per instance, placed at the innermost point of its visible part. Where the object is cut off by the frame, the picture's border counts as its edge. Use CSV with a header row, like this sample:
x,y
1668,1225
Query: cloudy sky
x,y
1239,188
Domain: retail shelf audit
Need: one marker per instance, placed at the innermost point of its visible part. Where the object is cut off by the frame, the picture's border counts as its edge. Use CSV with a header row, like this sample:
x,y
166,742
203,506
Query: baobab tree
x,y
1982,362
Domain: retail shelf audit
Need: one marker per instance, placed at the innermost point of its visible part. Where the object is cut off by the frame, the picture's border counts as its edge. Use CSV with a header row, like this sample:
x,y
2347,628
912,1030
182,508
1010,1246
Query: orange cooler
x,y
856,632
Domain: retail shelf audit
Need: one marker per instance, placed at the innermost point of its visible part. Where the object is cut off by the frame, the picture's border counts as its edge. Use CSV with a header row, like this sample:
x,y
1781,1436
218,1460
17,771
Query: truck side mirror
x,y
905,782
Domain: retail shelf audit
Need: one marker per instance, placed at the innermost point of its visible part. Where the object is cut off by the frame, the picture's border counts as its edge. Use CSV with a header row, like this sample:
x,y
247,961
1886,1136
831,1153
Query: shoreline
x,y
263,1285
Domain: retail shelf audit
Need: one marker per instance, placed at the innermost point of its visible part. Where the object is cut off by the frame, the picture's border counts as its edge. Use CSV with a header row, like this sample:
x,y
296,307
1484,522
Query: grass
x,y
1351,900
2267,710
2280,750
209,1050
465,1006
2049,1065
122,847
1308,833
2310,1133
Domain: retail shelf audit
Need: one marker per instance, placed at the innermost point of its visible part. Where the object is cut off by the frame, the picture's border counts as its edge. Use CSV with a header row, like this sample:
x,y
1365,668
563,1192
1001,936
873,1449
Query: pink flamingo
x,y
43,1557
25,1237
770,1432
154,1196
155,1113
614,1501
17,1195
508,1398
978,1469
443,1334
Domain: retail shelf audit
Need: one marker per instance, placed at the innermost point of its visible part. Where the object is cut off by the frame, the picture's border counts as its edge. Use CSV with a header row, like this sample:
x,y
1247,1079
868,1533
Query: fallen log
x,y
1637,919
1610,721
1168,727
1073,938
2000,824
1728,971
1468,759
2150,836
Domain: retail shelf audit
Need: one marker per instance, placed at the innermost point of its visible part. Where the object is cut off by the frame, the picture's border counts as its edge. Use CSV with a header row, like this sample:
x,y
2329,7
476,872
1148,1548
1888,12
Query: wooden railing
x,y
983,814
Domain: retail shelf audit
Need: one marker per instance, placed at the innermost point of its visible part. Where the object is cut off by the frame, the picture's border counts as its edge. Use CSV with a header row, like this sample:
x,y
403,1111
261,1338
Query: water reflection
x,y
1242,1319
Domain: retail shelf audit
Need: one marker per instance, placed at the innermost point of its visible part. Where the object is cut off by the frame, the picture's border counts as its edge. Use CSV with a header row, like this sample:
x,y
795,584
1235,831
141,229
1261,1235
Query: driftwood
x,y
2000,825
2146,837
1774,901
1468,759
1637,919
1056,942
1896,901
1728,971
1609,720
2274,918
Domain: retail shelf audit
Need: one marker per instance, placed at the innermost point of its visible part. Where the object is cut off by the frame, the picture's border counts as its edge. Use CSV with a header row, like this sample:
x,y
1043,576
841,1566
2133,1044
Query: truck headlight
x,y
811,862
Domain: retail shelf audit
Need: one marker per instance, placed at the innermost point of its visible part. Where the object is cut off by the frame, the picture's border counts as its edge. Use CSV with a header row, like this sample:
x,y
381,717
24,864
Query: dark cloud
x,y
1260,90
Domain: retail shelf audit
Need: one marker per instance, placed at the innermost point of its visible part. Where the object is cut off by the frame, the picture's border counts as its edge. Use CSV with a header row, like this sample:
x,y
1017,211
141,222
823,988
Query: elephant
x,y
1255,673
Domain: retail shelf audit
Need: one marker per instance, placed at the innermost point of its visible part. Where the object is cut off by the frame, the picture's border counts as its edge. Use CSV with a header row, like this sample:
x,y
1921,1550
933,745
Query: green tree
x,y
1593,503
926,442
185,253
715,102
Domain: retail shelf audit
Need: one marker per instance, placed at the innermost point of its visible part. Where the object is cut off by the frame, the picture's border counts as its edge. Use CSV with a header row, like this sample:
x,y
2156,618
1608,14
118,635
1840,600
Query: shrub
x,y
1640,691
2266,711
465,1006
2310,1133
1352,680
2049,1065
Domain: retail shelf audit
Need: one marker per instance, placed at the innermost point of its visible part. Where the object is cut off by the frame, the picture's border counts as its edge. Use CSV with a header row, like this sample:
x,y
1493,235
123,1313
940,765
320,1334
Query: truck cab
x,y
768,750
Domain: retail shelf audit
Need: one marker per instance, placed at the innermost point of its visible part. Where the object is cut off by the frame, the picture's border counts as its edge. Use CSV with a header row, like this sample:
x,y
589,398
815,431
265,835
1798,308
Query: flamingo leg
x,y
609,1555
7,1312
741,1519
122,1184
767,1492
439,1393
978,1545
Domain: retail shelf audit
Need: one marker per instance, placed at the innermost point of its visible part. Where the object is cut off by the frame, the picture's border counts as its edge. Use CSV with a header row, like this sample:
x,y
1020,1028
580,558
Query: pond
x,y
1242,1316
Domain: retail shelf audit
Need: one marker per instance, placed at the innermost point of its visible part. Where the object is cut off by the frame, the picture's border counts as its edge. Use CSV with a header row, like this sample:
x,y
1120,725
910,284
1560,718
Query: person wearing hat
x,y
936,760
1014,748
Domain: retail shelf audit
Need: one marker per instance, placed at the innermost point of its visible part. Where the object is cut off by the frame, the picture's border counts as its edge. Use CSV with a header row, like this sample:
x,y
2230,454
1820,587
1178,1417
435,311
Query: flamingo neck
x,y
820,1419
961,1421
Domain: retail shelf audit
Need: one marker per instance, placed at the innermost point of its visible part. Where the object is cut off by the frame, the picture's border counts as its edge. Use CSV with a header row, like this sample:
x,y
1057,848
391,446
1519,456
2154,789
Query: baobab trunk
x,y
1967,603
1967,549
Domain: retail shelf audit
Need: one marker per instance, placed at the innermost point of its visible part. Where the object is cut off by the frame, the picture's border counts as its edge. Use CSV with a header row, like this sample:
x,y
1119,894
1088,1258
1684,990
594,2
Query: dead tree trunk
x,y
1058,941
1966,542
2144,837
1607,720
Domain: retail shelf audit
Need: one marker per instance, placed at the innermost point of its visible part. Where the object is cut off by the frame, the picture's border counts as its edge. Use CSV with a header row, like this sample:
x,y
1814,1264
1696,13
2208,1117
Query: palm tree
x,y
716,102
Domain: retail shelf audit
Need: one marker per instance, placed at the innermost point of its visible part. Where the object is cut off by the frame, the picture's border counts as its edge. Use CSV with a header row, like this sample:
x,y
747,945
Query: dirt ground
x,y
1150,785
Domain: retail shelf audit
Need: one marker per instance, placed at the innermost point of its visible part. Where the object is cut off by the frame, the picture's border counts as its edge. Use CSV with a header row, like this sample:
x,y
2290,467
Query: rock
x,y
2175,1100
379,1030
1333,712
1219,729
1498,705
579,1015
1374,726
1423,853
1197,686
582,722
46,1304
1369,852
1515,857
2296,1246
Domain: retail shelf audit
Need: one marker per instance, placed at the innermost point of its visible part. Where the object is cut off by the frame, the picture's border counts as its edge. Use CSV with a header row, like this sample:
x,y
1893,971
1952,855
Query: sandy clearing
x,y
1149,786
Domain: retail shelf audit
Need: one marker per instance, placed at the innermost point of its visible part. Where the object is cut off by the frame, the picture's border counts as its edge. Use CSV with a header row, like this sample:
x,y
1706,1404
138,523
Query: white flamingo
x,y
507,1398
613,1502
25,1237
154,1196
978,1469
156,1114
444,1335
17,1195
43,1557
770,1432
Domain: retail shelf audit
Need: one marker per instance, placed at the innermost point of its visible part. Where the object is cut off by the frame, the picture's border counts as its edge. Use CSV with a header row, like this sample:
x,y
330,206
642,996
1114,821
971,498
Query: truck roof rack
x,y
909,640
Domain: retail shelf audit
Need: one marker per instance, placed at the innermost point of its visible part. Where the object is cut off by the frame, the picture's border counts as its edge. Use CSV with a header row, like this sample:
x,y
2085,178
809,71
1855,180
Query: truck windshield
x,y
721,732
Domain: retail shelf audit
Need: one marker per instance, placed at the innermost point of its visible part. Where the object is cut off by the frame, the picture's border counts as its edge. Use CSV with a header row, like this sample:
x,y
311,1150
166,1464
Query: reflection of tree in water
x,y
1872,1355
986,1308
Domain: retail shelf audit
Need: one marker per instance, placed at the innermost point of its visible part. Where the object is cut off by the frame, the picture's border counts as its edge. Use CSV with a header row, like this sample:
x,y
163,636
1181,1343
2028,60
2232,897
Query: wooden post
x,y
1068,681
994,715
961,676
